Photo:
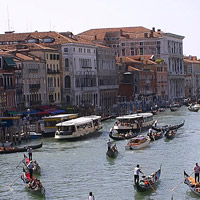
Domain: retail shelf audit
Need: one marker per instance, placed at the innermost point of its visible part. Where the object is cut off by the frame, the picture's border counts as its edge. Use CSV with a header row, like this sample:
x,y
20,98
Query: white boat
x,y
197,106
138,142
133,122
78,128
32,135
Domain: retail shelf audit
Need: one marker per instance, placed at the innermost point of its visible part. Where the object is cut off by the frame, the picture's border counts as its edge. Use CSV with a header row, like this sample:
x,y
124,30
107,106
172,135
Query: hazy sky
x,y
175,16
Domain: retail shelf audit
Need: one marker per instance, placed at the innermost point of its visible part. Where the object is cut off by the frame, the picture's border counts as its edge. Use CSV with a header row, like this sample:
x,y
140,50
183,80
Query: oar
x,y
180,183
120,154
14,181
152,187
19,164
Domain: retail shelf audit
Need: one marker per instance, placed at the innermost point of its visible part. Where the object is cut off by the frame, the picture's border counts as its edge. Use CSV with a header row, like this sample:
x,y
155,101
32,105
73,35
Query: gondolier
x,y
137,170
109,144
196,172
29,150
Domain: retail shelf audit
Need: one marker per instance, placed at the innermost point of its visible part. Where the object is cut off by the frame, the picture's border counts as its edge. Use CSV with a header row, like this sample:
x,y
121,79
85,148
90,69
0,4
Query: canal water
x,y
70,170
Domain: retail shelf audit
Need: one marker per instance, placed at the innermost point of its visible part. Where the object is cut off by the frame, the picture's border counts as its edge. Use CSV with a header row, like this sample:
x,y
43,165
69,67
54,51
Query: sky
x,y
179,17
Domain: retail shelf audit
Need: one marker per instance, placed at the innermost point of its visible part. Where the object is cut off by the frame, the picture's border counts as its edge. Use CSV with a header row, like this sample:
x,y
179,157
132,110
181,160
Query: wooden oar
x,y
172,190
152,187
19,164
14,181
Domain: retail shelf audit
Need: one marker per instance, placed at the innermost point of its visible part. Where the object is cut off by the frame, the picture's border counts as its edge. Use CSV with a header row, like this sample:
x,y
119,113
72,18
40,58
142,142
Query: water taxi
x,y
51,121
78,128
134,122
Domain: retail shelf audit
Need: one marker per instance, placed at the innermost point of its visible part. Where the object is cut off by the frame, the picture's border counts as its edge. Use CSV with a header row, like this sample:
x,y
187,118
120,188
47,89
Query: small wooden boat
x,y
112,152
173,109
190,181
154,112
147,183
170,134
165,127
156,135
138,142
161,109
18,149
33,185
36,166
122,136
193,109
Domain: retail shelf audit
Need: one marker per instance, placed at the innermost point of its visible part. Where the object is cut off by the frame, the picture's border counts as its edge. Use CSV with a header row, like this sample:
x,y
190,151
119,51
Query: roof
x,y
132,32
60,116
135,116
79,121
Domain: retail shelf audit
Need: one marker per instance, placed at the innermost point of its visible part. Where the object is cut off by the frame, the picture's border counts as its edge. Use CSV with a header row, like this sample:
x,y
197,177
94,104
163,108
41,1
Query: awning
x,y
9,61
42,113
57,112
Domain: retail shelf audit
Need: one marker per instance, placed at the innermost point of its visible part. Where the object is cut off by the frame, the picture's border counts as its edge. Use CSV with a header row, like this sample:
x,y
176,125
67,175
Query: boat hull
x,y
112,154
135,146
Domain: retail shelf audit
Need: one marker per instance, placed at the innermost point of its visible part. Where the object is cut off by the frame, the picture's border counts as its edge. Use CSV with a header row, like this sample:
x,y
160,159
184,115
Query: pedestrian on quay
x,y
30,169
30,151
137,170
196,172
91,196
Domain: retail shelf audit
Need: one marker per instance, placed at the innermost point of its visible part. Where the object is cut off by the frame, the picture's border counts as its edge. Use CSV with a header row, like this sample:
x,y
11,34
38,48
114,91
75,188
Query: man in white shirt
x,y
29,150
137,170
109,143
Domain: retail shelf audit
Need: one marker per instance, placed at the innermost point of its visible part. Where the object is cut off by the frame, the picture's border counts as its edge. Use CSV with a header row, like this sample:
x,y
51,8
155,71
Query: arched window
x,y
68,99
67,82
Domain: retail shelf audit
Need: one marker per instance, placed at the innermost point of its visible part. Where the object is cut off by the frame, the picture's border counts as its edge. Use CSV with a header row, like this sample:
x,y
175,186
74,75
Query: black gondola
x,y
170,134
164,128
112,152
122,136
173,109
147,183
19,149
190,181
156,135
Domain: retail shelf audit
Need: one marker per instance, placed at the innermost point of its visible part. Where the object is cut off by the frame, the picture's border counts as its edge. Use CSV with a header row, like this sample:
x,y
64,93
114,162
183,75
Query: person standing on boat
x,y
29,150
30,169
109,143
91,196
196,172
137,170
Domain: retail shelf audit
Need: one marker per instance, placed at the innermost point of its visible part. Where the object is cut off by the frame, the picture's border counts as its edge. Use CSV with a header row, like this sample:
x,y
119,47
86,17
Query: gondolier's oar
x,y
152,187
180,183
14,181
19,163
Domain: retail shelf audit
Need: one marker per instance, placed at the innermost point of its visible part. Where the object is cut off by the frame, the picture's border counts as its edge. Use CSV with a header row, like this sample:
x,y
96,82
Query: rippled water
x,y
70,170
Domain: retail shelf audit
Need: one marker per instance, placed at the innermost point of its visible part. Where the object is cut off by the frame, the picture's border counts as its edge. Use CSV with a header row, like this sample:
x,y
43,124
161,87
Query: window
x,y
80,50
158,50
141,51
68,99
57,57
132,51
123,44
132,43
158,42
141,43
67,82
47,56
123,52
66,62
66,50
51,57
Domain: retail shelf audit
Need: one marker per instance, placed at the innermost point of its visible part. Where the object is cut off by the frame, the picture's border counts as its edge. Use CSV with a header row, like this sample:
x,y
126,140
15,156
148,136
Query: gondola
x,y
170,134
190,181
156,135
147,183
33,185
112,152
164,128
193,109
122,136
173,109
19,149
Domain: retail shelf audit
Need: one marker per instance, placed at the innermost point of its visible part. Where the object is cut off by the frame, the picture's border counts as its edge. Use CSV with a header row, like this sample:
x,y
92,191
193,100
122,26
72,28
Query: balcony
x,y
34,86
51,89
67,90
50,71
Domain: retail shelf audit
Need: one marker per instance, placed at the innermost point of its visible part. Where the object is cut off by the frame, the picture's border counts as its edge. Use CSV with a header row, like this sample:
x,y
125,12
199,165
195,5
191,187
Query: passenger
x,y
137,170
91,196
114,148
30,168
196,172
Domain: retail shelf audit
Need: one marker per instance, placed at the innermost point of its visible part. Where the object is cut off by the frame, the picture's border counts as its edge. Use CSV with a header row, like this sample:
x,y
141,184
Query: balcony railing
x,y
51,89
50,71
34,86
